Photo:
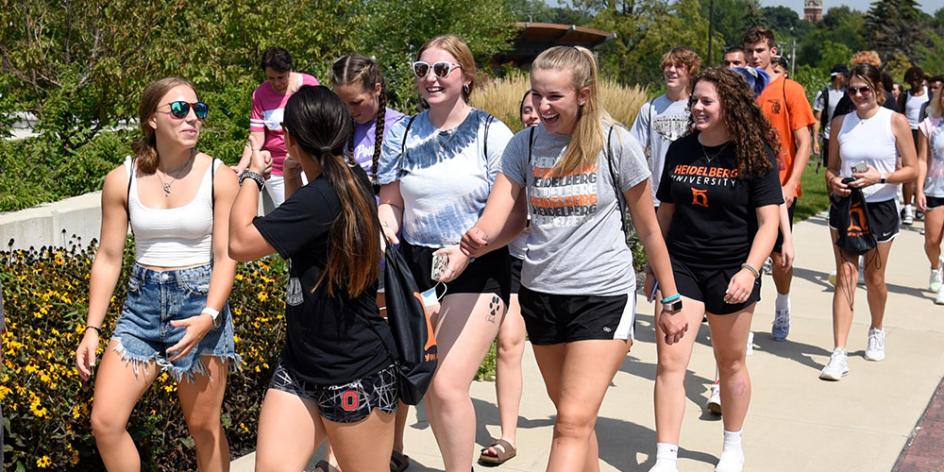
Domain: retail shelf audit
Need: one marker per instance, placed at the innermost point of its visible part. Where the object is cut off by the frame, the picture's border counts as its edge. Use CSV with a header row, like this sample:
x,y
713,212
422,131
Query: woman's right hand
x,y
473,241
85,354
921,200
260,160
838,187
290,167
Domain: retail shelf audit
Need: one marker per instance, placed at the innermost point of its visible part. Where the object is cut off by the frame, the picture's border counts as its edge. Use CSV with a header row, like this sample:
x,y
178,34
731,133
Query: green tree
x,y
840,25
896,26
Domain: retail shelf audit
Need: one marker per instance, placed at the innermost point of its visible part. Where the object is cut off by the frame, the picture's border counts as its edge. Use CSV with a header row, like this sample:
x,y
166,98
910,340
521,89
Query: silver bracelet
x,y
751,269
248,174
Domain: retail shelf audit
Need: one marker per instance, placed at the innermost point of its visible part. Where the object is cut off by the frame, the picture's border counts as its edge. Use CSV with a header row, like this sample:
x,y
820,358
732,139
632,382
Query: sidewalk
x,y
796,421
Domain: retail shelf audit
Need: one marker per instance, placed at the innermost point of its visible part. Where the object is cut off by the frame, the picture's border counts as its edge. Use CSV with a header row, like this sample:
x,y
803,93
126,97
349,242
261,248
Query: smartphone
x,y
860,167
439,266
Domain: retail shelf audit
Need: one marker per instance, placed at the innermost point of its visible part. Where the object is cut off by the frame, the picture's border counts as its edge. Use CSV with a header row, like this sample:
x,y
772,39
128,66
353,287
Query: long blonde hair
x,y
586,142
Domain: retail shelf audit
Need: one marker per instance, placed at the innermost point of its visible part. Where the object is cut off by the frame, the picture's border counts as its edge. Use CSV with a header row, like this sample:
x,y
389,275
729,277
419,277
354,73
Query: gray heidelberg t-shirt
x,y
576,245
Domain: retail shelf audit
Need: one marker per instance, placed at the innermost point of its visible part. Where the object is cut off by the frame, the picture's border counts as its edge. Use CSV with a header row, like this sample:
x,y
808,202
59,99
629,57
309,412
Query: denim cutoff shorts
x,y
155,298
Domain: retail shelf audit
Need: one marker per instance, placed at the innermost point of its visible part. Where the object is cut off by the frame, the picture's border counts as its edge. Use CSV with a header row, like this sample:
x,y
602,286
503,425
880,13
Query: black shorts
x,y
778,245
825,152
934,202
348,403
555,319
709,286
516,274
490,273
884,219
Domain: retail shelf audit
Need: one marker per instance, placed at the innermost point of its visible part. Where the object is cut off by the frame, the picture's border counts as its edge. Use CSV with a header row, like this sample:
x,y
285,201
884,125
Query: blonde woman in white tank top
x,y
175,317
872,137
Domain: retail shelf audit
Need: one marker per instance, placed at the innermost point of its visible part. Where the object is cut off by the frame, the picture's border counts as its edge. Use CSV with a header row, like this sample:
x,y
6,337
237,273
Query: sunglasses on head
x,y
180,109
864,90
442,69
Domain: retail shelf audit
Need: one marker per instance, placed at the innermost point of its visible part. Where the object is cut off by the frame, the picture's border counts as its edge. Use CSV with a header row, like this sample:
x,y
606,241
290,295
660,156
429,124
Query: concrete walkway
x,y
796,421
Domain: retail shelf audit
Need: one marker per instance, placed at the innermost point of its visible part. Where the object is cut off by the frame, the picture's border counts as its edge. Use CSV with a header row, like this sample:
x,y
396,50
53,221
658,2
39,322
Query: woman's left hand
x,y
863,179
740,287
456,263
787,253
261,161
196,328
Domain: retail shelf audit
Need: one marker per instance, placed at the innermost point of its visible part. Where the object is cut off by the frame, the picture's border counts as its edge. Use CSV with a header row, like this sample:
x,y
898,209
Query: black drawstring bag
x,y
413,334
852,223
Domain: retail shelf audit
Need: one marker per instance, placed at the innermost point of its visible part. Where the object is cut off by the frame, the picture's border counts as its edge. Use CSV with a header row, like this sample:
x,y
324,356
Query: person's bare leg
x,y
290,430
672,367
847,275
349,440
729,340
876,261
466,326
550,360
508,381
201,402
117,390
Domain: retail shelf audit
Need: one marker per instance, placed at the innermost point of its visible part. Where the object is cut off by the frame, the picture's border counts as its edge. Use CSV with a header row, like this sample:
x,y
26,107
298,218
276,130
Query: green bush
x,y
45,404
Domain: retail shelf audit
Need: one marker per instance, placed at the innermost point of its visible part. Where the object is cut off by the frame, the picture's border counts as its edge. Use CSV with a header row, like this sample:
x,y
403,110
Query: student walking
x,y
784,105
864,148
909,104
576,169
267,115
436,170
824,107
720,195
335,379
175,317
930,195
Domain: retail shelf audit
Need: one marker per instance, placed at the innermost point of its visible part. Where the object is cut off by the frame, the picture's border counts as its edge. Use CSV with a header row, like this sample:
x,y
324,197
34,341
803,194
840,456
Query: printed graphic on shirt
x,y
670,127
704,175
562,200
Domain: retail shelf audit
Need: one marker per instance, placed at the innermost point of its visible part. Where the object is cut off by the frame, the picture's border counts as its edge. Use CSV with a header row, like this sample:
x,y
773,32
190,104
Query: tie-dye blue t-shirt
x,y
445,175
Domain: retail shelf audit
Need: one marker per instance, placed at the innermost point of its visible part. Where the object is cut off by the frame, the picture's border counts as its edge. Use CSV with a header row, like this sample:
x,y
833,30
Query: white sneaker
x,y
732,460
939,298
837,367
664,466
876,347
936,277
714,400
907,215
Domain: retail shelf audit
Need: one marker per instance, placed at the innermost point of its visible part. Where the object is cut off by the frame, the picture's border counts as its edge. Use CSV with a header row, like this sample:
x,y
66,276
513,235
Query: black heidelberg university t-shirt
x,y
715,219
329,340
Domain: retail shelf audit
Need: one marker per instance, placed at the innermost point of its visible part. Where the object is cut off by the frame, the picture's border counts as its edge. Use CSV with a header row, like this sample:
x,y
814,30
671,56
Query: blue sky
x,y
929,6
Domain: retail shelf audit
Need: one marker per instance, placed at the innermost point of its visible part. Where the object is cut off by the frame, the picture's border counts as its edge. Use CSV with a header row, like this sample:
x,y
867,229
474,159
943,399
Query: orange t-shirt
x,y
784,105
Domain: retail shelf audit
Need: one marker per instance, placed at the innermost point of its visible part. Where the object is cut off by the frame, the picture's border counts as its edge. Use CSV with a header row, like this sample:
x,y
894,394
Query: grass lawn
x,y
815,197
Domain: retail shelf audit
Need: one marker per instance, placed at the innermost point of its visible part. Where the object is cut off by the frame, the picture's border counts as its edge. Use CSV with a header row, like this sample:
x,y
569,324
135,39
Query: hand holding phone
x,y
440,261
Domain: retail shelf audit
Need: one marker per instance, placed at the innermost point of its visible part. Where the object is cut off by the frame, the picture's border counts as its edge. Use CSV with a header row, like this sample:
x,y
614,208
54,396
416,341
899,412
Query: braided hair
x,y
362,70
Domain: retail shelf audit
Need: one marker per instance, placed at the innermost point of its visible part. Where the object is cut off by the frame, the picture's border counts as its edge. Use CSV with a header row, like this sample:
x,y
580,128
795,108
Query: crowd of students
x,y
526,230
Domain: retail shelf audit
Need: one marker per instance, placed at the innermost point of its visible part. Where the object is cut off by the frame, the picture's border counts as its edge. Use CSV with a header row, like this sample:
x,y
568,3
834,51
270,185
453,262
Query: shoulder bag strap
x,y
619,194
128,194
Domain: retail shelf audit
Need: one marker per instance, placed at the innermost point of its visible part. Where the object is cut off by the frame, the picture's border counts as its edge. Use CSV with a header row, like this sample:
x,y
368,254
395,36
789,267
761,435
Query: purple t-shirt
x,y
365,138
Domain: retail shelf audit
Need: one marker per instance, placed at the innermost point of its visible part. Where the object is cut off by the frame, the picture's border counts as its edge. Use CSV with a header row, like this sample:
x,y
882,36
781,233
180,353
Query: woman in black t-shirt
x,y
335,379
720,194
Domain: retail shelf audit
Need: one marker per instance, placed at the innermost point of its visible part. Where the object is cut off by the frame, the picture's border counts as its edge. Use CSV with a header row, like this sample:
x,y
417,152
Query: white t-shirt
x,y
658,124
933,128
820,103
445,175
913,107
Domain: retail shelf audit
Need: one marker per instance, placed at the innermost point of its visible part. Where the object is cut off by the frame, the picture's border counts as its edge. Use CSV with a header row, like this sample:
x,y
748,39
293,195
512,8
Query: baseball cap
x,y
839,69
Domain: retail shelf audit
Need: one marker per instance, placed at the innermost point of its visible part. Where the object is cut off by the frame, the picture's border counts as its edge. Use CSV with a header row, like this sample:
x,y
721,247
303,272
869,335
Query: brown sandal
x,y
505,452
399,461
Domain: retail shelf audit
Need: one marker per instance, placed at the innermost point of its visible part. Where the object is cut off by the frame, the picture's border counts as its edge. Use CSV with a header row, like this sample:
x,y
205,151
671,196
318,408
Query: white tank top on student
x,y
913,108
870,141
173,237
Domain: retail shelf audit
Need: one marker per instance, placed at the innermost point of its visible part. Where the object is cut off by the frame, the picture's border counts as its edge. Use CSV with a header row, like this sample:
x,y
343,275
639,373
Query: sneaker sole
x,y
874,359
824,376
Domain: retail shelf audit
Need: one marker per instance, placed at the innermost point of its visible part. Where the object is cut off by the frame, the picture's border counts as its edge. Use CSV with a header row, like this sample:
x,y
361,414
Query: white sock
x,y
666,452
783,301
732,440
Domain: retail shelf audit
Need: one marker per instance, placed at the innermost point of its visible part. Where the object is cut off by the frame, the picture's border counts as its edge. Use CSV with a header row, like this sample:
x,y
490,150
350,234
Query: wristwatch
x,y
214,315
672,303
882,179
248,174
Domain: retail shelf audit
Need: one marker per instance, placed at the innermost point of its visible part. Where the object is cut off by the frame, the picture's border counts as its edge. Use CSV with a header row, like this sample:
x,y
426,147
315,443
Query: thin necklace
x,y
712,157
166,185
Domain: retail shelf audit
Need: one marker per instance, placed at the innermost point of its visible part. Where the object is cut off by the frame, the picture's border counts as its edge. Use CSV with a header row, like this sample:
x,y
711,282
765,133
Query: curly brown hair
x,y
750,131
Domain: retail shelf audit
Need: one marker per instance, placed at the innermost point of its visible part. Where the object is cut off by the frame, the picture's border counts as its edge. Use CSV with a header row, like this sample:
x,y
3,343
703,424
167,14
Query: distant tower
x,y
813,10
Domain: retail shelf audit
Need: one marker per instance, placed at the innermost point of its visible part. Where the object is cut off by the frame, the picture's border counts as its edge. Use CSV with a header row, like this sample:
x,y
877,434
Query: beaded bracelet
x,y
751,269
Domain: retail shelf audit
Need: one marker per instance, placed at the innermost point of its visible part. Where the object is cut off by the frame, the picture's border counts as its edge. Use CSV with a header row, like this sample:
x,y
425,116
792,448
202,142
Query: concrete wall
x,y
53,224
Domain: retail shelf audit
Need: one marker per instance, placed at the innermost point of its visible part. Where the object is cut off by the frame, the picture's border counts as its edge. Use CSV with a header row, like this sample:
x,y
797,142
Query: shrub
x,y
45,404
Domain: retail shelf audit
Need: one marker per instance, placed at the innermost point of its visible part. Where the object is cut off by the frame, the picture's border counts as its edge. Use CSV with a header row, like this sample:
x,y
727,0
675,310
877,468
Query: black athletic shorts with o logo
x,y
346,403
555,319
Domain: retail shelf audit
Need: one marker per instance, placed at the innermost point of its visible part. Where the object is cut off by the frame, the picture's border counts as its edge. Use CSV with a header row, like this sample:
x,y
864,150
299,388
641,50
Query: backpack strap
x,y
409,124
128,193
488,122
619,195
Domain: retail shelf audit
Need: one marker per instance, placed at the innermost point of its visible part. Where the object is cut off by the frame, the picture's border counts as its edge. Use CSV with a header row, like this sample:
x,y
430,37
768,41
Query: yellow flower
x,y
43,462
59,259
263,296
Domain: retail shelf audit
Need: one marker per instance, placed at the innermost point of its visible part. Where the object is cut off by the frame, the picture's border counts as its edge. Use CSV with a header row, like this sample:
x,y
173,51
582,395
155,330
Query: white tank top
x,y
870,141
173,237
913,108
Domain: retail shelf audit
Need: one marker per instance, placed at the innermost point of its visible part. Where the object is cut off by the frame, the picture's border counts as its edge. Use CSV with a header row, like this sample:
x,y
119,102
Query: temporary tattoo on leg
x,y
493,307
